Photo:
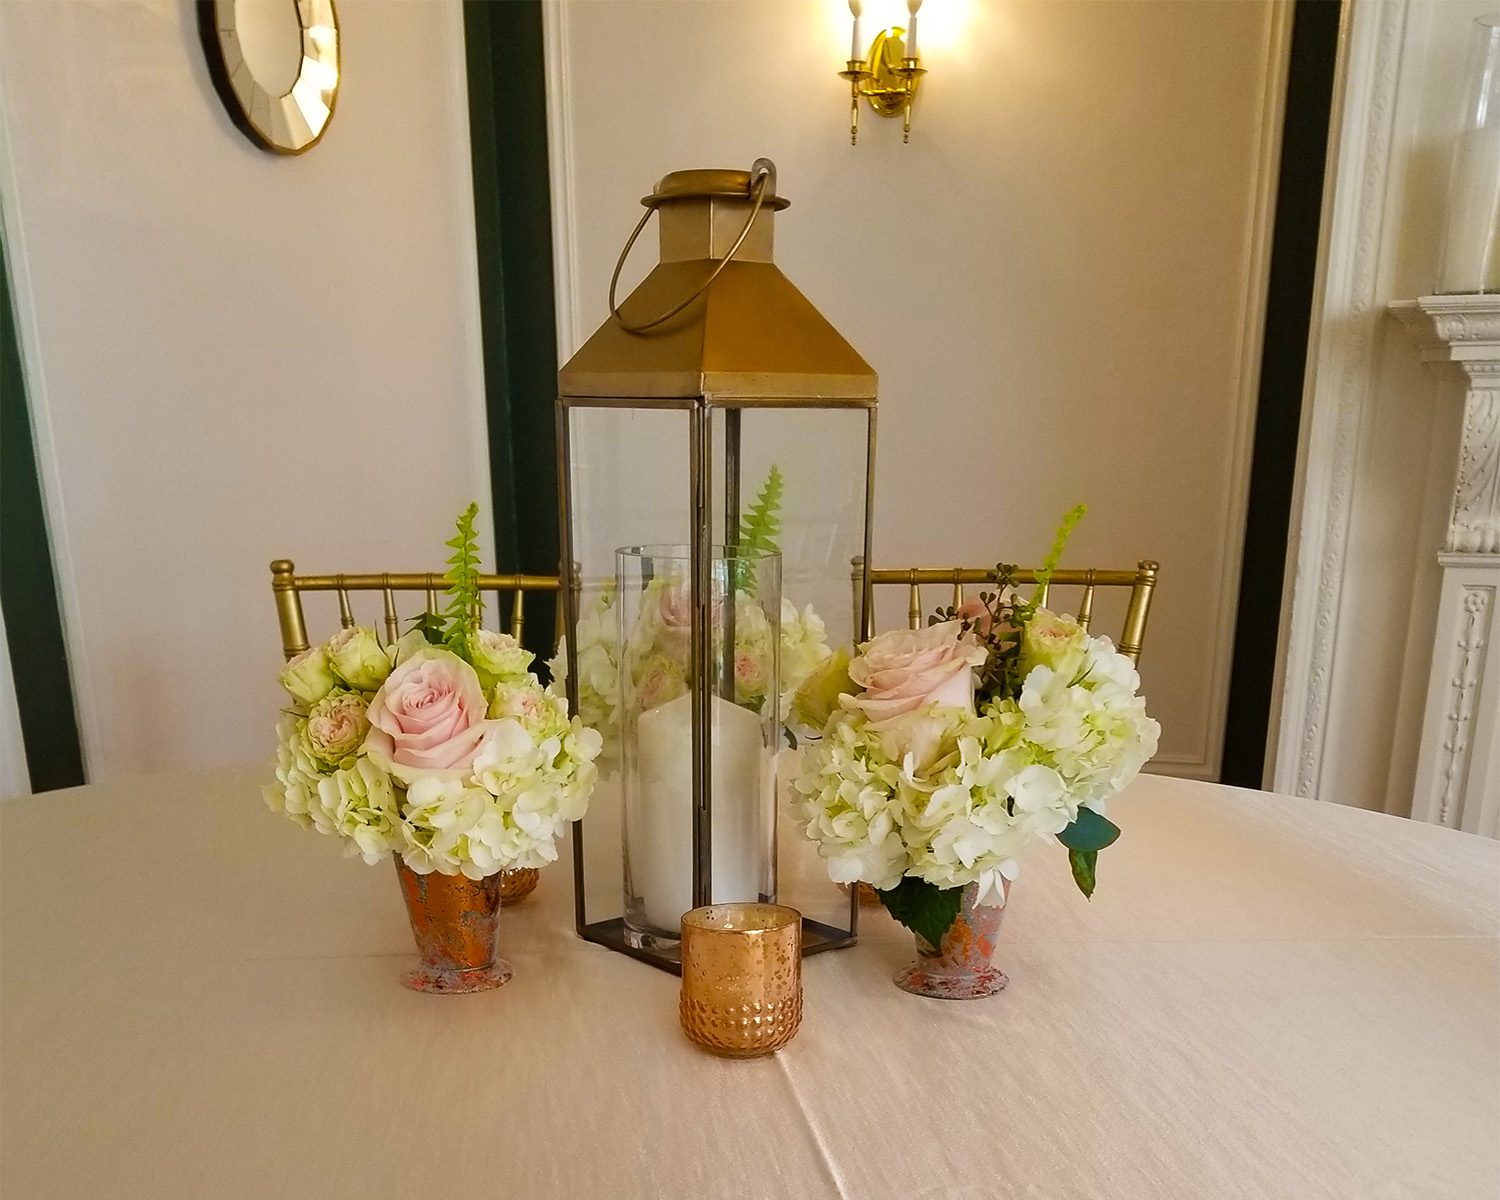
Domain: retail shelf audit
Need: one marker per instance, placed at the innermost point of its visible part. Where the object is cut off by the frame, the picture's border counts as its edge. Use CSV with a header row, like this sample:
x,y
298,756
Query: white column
x,y
1458,768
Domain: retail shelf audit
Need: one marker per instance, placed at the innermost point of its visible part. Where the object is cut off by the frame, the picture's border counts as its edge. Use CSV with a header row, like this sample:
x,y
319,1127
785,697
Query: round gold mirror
x,y
275,64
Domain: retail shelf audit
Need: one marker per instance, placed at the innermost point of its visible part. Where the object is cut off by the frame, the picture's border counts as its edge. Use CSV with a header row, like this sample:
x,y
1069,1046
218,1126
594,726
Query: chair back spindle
x,y
346,613
517,615
1141,581
392,621
1085,611
287,588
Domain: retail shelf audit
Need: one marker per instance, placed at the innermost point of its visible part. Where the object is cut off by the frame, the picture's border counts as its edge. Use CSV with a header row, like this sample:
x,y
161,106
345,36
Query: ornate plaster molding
x,y
1466,330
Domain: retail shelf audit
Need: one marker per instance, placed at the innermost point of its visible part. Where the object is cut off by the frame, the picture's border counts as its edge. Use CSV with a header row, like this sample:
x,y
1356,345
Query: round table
x,y
1267,997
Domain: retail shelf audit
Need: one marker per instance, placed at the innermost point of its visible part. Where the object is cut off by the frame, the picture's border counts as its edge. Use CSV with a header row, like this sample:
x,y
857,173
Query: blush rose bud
x,y
358,658
307,677
498,658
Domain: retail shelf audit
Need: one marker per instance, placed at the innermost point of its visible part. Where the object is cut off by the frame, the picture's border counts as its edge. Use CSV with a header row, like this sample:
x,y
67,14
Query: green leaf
x,y
924,909
1089,832
761,526
431,625
1083,863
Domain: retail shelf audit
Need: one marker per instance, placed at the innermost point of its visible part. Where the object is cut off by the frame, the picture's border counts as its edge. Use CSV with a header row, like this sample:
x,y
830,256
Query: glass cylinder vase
x,y
732,702
1470,260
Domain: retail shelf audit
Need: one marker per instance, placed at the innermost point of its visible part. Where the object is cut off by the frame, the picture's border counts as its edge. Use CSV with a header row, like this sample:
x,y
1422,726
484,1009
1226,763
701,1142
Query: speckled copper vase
x,y
961,969
455,921
741,977
516,885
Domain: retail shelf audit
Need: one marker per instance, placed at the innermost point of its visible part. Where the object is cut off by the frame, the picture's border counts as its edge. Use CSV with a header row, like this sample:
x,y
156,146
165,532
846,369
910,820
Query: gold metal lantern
x,y
714,375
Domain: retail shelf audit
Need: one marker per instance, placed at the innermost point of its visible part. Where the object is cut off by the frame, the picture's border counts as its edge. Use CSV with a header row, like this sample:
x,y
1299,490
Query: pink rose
x,y
749,675
675,611
428,716
661,680
903,670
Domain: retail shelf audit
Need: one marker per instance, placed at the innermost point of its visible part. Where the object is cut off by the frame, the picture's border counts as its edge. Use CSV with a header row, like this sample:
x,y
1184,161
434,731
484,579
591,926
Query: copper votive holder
x,y
741,977
516,885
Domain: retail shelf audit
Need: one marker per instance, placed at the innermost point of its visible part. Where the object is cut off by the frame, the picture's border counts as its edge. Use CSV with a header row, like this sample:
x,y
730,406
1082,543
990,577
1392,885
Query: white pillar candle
x,y
1471,255
661,847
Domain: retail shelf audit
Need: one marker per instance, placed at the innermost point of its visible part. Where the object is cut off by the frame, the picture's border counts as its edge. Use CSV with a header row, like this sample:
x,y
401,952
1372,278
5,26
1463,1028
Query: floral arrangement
x,y
947,752
657,648
442,748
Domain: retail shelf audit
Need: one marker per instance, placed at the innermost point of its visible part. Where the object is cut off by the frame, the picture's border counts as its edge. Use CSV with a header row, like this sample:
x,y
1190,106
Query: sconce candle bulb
x,y
911,30
856,45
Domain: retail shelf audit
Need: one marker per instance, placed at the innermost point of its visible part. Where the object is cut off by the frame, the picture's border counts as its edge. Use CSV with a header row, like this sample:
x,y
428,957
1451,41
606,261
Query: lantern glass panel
x,y
630,484
820,456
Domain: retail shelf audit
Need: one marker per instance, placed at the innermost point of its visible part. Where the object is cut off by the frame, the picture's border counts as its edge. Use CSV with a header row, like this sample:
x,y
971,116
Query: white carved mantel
x,y
1458,768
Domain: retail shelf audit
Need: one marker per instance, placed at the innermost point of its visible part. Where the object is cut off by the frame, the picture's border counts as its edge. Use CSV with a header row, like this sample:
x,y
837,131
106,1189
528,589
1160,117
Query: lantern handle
x,y
763,180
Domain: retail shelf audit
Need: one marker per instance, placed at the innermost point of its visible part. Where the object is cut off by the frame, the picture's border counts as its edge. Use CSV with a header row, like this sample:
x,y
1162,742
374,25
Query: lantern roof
x,y
752,338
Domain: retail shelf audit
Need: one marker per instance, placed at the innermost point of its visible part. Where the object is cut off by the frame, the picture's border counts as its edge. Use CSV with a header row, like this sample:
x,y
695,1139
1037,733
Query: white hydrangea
x,y
985,787
360,804
1094,733
598,666
532,776
295,792
847,799
357,804
804,646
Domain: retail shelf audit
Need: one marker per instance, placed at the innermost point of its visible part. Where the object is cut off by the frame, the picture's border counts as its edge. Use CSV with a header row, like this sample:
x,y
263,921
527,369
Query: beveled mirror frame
x,y
291,123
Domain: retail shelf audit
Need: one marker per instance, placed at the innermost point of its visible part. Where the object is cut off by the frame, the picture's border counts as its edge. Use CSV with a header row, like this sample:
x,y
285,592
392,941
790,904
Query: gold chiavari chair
x,y
1141,582
287,586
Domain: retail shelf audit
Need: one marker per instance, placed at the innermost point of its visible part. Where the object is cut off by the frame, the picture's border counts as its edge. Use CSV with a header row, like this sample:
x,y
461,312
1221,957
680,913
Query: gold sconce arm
x,y
888,80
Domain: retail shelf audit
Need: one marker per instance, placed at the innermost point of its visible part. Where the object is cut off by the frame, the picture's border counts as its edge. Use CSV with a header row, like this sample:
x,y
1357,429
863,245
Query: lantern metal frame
x,y
817,936
771,349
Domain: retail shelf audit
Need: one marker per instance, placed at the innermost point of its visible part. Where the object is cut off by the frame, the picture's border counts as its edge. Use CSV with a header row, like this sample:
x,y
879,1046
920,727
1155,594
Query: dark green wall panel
x,y
28,586
513,223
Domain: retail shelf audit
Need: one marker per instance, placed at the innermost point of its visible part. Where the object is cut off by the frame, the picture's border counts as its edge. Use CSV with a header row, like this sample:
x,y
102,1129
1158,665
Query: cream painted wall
x,y
233,356
1059,279
1381,433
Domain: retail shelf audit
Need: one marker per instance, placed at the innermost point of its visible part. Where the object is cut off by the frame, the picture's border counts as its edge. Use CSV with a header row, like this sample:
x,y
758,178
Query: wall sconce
x,y
888,78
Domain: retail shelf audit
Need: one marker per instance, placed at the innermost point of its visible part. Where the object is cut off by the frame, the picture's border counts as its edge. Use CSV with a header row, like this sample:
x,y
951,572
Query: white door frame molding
x,y
1348,313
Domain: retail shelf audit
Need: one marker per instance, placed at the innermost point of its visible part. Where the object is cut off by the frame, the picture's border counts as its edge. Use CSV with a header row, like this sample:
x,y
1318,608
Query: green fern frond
x,y
761,525
465,605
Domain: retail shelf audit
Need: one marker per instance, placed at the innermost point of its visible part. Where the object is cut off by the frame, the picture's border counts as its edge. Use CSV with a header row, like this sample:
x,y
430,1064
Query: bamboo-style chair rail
x,y
287,587
1141,581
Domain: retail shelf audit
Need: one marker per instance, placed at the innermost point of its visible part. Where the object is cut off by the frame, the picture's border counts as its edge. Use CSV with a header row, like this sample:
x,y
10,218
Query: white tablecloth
x,y
1267,998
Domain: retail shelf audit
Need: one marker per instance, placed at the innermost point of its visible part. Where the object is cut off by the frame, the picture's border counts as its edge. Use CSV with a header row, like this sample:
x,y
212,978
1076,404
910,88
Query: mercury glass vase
x,y
961,968
741,991
516,885
455,921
